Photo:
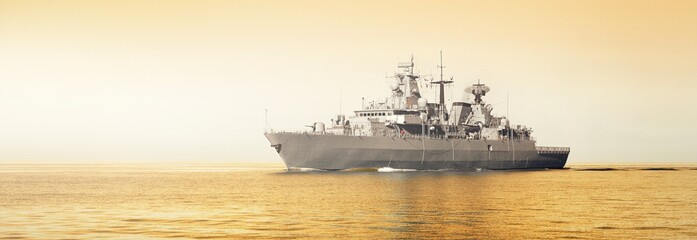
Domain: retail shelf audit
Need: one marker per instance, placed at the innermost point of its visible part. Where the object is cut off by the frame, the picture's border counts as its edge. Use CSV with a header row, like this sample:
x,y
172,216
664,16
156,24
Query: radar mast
x,y
441,102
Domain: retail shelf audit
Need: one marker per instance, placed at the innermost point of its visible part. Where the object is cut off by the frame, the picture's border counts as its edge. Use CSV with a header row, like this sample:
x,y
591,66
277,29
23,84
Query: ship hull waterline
x,y
340,152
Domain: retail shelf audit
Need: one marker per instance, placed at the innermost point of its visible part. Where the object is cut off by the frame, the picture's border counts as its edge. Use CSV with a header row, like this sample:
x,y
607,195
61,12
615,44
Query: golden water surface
x,y
223,201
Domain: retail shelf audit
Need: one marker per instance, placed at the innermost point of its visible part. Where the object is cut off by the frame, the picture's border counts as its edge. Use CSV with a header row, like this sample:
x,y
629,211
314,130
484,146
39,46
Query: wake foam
x,y
360,170
305,170
389,169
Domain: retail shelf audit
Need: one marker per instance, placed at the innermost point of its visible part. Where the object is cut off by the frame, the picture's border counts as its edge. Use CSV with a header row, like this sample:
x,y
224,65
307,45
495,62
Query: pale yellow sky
x,y
178,81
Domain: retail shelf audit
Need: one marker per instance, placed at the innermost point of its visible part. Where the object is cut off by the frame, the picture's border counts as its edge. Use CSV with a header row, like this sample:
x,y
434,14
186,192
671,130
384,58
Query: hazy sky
x,y
181,81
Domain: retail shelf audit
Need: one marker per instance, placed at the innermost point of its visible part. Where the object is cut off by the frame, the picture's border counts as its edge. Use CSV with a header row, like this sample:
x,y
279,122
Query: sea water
x,y
83,201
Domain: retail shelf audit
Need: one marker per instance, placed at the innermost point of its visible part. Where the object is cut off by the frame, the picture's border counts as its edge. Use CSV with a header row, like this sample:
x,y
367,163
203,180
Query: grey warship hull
x,y
337,152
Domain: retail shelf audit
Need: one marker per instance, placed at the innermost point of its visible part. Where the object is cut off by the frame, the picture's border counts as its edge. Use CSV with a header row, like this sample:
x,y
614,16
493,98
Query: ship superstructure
x,y
407,131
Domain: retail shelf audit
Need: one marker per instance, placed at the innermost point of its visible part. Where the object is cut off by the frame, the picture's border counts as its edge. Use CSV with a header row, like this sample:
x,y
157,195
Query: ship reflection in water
x,y
149,201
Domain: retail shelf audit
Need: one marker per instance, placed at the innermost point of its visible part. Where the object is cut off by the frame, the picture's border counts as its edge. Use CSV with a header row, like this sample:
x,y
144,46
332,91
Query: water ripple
x,y
587,202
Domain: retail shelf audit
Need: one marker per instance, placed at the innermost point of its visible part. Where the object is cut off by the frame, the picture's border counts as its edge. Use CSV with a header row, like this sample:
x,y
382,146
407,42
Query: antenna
x,y
509,129
450,97
341,100
441,108
441,65
510,136
508,93
411,70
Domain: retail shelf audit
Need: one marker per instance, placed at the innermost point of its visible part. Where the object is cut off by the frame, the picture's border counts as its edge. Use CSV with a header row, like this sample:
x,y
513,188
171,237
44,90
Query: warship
x,y
407,132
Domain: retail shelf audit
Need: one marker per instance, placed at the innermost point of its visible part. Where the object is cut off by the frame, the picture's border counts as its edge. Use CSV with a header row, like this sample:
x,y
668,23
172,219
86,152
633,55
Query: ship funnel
x,y
461,111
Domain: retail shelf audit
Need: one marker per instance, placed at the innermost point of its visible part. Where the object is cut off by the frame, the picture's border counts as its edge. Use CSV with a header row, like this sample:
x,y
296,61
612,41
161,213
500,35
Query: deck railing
x,y
408,136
